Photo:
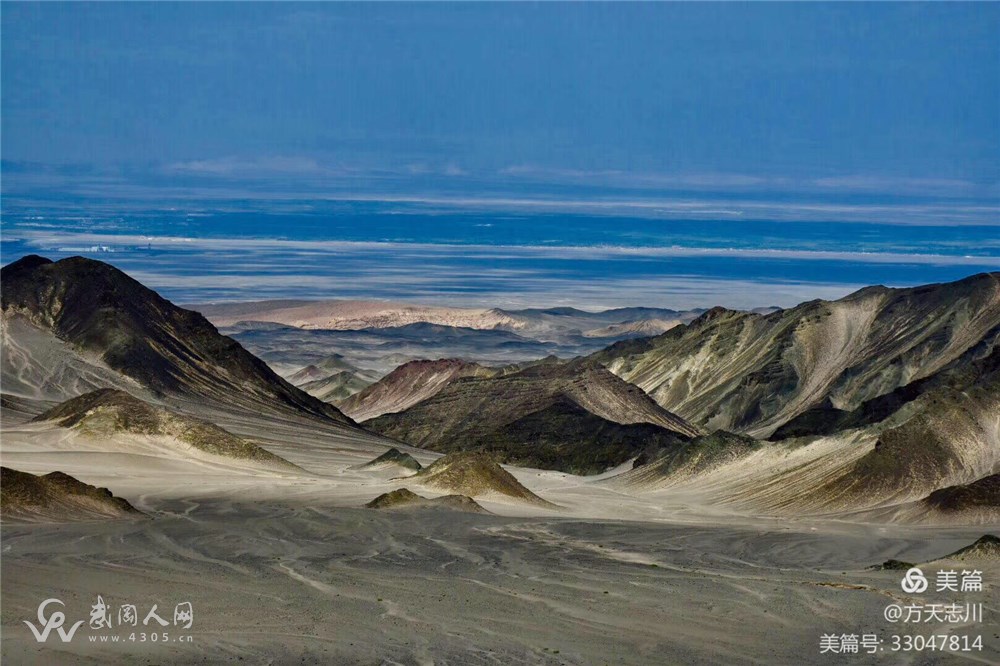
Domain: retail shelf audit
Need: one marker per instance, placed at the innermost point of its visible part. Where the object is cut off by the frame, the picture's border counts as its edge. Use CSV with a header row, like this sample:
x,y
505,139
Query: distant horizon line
x,y
483,308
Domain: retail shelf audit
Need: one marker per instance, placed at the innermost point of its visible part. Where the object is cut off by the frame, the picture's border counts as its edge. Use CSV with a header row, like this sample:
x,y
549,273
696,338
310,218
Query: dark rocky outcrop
x,y
566,437
57,497
893,565
981,494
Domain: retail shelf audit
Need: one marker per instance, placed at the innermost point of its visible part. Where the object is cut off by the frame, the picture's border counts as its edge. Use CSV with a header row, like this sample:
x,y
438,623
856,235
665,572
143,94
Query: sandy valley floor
x,y
288,568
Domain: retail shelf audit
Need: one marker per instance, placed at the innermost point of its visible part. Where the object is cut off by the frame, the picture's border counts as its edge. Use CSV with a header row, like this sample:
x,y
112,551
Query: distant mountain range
x,y
910,373
887,397
332,379
378,336
354,315
342,315
288,349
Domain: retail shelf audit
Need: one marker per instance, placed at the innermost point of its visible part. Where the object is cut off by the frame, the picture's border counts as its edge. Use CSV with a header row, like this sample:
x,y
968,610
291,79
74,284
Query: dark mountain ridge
x,y
575,417
100,310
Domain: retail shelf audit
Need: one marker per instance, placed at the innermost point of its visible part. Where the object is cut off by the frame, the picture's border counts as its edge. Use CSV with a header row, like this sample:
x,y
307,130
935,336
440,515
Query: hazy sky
x,y
886,99
560,153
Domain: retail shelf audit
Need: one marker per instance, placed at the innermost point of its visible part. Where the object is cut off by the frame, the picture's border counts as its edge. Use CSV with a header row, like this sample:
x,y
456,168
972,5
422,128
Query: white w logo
x,y
54,621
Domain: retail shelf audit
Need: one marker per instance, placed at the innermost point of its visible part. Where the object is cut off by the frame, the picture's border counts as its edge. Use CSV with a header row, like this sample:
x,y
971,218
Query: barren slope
x,y
574,417
752,373
409,384
107,320
474,474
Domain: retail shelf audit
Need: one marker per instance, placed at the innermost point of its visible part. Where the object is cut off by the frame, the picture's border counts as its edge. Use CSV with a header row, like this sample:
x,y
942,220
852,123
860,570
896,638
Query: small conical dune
x,y
407,499
475,474
393,458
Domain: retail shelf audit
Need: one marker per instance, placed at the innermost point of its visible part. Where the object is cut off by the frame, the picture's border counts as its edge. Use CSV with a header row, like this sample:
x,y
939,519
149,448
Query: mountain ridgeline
x,y
900,388
572,416
753,373
409,384
903,382
886,397
100,311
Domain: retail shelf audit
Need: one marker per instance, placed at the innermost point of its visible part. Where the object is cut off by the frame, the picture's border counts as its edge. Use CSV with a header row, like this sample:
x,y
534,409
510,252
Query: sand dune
x,y
406,499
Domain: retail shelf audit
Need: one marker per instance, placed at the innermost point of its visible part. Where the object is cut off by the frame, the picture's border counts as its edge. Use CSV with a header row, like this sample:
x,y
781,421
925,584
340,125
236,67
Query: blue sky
x,y
866,99
583,154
